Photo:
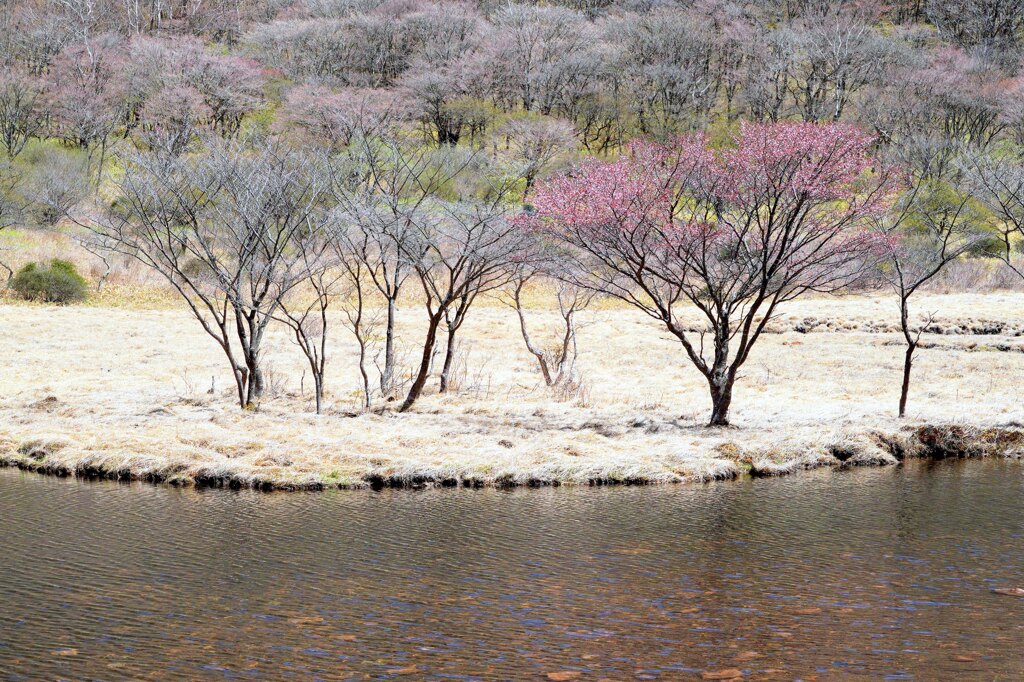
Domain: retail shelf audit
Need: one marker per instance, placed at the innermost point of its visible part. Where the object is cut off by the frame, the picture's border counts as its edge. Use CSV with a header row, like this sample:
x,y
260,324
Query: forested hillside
x,y
528,79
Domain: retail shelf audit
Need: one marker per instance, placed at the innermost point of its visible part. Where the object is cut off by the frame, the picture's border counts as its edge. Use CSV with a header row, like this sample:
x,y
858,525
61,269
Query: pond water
x,y
869,573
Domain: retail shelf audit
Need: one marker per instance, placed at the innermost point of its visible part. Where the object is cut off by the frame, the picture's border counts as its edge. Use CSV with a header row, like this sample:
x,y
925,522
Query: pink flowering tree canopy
x,y
785,210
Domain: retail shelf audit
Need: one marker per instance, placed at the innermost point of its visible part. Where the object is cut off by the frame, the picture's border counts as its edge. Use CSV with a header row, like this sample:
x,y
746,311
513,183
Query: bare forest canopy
x,y
599,73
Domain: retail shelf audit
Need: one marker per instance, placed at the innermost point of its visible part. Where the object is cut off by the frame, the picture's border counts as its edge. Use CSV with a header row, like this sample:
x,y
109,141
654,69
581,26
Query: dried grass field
x,y
141,392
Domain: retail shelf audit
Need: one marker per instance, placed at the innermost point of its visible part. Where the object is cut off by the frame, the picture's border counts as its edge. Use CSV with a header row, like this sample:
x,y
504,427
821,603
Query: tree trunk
x,y
908,358
449,357
254,389
424,371
241,375
387,376
363,373
908,361
721,382
256,383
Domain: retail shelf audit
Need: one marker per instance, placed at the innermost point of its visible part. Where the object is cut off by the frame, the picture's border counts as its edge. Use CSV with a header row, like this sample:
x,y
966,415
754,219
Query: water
x,y
872,573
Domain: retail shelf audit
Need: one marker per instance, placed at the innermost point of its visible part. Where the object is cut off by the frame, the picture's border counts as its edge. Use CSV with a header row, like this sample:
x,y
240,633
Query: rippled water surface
x,y
870,573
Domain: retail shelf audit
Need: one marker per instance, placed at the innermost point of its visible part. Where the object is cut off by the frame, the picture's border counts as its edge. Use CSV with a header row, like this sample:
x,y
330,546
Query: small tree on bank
x,y
931,226
382,190
556,359
458,249
734,233
304,309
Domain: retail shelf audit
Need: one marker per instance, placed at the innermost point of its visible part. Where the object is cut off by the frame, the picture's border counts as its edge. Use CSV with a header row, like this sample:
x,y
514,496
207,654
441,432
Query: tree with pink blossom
x,y
735,233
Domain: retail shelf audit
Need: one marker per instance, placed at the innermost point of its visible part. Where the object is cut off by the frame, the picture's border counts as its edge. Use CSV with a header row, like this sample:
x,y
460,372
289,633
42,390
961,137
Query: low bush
x,y
58,282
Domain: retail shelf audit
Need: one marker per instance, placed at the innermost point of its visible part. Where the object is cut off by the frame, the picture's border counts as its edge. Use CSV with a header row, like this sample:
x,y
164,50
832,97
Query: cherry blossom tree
x,y
735,233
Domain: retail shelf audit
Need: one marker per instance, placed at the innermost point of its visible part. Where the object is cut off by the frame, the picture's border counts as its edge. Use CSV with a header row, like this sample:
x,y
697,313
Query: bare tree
x,y
21,112
997,180
671,56
931,226
12,204
219,228
556,358
362,322
458,250
543,58
383,190
355,256
994,24
304,308
538,144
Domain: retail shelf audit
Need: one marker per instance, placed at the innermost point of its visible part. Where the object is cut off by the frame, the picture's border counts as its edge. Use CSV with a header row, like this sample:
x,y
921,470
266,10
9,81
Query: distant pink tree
x,y
783,211
322,116
231,87
87,99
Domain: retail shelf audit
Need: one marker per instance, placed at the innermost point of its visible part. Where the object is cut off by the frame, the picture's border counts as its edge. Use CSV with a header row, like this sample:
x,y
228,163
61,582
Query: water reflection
x,y
866,573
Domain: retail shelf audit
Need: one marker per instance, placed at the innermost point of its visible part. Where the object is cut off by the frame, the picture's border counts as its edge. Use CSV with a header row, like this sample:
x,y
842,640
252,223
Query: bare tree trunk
x,y
449,357
453,319
106,273
255,385
908,361
318,389
250,335
424,371
103,158
722,377
241,375
362,370
387,376
721,398
542,359
10,271
908,358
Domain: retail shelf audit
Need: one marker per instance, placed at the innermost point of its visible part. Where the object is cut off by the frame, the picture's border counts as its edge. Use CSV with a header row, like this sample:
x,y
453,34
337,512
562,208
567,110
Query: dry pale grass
x,y
144,394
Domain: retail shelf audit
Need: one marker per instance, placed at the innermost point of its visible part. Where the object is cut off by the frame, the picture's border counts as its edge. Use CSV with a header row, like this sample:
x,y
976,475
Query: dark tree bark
x,y
420,381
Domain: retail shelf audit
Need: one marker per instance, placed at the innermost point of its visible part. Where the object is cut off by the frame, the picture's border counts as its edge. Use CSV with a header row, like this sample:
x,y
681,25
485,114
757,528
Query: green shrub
x,y
58,282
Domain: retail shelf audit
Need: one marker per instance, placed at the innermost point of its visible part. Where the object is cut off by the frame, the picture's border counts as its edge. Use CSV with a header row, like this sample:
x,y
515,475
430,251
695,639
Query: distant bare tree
x,y
998,182
12,204
335,118
56,182
21,113
543,58
994,24
836,53
537,144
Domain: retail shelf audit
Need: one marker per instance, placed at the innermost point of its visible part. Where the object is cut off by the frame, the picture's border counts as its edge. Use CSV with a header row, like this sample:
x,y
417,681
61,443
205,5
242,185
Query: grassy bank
x,y
725,461
142,394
